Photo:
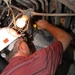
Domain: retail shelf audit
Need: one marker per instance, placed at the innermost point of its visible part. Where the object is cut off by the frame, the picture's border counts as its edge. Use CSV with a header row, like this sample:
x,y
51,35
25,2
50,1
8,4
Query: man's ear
x,y
21,49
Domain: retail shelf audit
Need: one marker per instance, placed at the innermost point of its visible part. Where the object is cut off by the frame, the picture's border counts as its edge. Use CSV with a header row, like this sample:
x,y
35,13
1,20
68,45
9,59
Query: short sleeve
x,y
52,56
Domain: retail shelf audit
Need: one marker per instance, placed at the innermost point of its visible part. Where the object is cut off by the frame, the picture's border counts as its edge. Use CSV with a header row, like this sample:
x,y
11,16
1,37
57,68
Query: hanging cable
x,y
45,14
20,10
13,16
54,14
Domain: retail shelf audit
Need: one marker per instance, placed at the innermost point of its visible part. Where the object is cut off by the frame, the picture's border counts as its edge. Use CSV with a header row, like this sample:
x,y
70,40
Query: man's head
x,y
20,49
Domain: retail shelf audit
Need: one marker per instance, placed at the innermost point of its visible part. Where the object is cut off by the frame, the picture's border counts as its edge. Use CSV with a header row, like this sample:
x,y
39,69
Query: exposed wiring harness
x,y
30,13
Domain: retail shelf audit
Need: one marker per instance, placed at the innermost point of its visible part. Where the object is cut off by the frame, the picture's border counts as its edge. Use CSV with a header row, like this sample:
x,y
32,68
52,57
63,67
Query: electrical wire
x,y
6,1
20,10
13,16
54,14
45,14
3,12
40,14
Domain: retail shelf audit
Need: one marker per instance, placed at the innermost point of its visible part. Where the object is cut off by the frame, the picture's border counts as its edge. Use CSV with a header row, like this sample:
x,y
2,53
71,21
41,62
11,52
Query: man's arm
x,y
58,33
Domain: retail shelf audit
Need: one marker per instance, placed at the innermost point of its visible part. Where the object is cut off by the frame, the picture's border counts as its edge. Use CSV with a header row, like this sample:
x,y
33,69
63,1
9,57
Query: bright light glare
x,y
20,23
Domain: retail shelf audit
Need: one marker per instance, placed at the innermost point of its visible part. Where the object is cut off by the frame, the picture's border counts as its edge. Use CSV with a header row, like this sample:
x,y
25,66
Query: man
x,y
41,62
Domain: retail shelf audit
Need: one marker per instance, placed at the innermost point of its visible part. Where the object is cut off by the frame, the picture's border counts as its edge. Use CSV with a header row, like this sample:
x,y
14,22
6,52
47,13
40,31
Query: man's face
x,y
24,47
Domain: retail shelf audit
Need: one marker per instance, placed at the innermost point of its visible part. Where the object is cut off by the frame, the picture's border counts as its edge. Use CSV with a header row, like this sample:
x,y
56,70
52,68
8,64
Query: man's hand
x,y
42,24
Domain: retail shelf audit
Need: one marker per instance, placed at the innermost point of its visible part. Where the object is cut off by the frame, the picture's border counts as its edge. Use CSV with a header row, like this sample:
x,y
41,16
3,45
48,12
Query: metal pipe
x,y
33,1
42,4
23,3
